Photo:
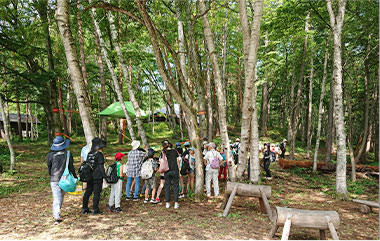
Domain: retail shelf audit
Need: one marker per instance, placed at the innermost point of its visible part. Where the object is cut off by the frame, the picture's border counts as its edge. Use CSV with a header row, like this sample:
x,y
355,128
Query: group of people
x,y
180,164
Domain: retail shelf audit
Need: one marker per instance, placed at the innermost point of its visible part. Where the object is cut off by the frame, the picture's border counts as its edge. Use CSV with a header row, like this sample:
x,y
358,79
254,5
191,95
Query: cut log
x,y
286,230
274,225
367,203
249,190
307,218
225,200
266,204
322,234
230,200
364,209
332,228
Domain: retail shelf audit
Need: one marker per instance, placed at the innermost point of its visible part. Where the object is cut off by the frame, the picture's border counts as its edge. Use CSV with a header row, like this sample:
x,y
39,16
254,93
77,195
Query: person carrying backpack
x,y
283,148
268,157
94,185
116,188
212,160
56,163
150,183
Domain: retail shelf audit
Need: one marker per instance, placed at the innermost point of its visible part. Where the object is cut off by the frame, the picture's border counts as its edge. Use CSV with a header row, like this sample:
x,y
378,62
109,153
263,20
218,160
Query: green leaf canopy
x,y
115,110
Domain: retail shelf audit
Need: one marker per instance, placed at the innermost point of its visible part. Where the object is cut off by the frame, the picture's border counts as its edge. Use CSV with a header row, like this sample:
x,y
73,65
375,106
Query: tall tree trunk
x,y
320,109
69,106
337,25
81,48
251,45
218,83
224,56
19,126
103,96
62,16
113,75
264,102
209,100
128,80
240,102
297,106
366,112
27,117
31,123
7,136
330,125
291,107
61,110
309,110
254,150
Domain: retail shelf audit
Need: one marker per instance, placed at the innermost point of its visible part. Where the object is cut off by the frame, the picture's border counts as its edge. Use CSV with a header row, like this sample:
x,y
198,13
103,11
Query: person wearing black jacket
x,y
268,155
56,162
172,175
95,185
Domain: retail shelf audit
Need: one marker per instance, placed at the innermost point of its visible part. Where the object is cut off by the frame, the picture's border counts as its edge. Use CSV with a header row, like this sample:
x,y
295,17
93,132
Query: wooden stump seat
x,y
366,206
322,220
248,190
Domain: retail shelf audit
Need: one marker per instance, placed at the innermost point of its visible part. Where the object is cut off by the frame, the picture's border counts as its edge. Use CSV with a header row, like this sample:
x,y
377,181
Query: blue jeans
x,y
58,195
137,187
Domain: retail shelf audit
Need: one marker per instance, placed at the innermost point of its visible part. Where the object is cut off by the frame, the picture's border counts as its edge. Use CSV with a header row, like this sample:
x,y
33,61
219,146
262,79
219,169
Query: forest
x,y
306,71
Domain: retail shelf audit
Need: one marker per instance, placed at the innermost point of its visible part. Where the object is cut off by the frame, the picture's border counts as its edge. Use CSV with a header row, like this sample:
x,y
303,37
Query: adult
x,y
235,150
223,167
56,163
212,172
283,148
96,158
268,155
191,158
172,175
83,156
135,160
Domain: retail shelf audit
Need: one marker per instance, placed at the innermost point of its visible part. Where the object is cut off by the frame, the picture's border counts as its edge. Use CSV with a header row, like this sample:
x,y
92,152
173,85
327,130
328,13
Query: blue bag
x,y
68,182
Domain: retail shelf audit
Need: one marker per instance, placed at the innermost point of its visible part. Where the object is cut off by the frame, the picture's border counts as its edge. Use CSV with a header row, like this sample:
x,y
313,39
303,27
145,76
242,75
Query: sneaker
x,y
57,221
146,200
176,205
181,195
95,212
167,205
86,210
158,200
110,209
135,199
153,201
118,210
269,178
128,199
208,195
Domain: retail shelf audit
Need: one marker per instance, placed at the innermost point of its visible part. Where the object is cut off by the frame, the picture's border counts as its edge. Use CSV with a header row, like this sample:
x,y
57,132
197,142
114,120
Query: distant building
x,y
14,124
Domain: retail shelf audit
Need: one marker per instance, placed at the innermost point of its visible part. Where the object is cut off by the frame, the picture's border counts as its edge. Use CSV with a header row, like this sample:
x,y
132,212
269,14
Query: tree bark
x,y
27,117
62,16
220,92
113,75
309,110
209,100
330,125
19,126
297,106
320,109
337,24
61,109
69,106
264,102
7,137
254,150
128,80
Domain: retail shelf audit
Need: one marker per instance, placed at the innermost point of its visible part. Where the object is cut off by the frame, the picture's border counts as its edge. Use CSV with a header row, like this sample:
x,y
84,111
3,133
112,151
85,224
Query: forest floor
x,y
26,207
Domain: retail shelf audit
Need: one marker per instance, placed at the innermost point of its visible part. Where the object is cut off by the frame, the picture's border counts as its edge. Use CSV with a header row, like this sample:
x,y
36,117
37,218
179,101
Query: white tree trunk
x,y
337,24
7,136
320,109
221,96
250,66
113,75
254,150
62,16
128,80
309,110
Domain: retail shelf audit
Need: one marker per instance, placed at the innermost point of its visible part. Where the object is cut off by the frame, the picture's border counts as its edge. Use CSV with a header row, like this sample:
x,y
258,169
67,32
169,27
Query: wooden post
x,y
322,234
332,229
274,225
224,203
229,203
266,204
286,231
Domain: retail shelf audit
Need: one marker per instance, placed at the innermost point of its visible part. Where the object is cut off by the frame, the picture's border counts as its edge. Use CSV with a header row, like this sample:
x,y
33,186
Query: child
x,y
150,183
223,167
116,188
191,158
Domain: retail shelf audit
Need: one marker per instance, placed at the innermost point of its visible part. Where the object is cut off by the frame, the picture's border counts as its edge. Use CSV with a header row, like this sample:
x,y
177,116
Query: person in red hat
x,y
116,188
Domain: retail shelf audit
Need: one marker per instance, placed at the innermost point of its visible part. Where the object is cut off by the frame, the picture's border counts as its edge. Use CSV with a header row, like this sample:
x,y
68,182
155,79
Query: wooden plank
x,y
229,203
274,225
332,229
266,204
248,190
225,199
368,203
286,230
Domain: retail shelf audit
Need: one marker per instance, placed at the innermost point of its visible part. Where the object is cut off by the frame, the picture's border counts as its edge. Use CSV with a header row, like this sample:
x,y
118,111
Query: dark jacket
x,y
56,162
172,159
99,172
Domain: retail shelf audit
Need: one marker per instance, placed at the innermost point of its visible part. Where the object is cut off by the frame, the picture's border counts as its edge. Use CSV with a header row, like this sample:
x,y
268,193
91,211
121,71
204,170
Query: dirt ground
x,y
27,214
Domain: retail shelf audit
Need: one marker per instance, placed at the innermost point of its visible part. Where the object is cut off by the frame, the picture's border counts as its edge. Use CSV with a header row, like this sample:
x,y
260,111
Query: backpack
x,y
272,157
185,169
147,169
164,165
87,167
111,174
214,162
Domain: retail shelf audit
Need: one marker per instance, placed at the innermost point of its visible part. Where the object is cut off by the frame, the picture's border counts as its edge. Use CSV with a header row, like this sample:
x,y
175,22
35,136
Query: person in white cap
x,y
135,159
283,148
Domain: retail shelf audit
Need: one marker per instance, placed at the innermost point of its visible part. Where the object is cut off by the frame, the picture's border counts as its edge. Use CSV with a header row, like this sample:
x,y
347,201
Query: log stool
x,y
322,220
248,190
366,206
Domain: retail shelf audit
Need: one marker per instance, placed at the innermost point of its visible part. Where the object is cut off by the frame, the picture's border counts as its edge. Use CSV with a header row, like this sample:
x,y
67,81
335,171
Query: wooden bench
x,y
248,190
366,206
315,219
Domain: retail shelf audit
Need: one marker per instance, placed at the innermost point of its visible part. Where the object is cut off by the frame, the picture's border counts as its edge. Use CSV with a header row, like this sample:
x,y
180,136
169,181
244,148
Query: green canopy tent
x,y
115,110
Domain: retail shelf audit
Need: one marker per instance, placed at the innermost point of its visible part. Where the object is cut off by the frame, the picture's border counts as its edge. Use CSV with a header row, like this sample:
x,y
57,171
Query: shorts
x,y
191,171
162,177
151,182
